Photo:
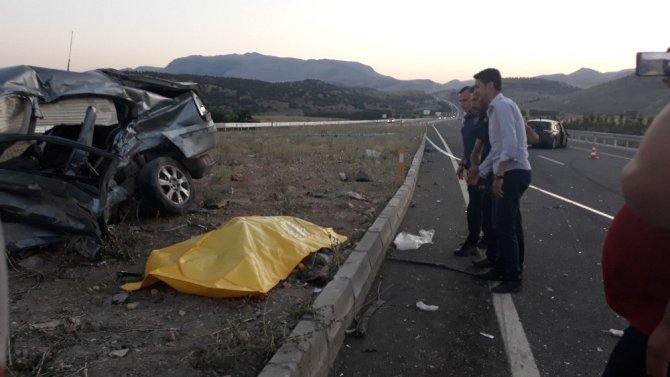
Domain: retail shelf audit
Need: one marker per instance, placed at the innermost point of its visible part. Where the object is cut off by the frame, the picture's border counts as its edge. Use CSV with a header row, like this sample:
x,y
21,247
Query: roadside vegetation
x,y
70,318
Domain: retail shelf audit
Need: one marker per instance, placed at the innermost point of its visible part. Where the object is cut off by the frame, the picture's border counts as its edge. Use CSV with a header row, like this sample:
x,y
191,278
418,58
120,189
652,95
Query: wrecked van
x,y
74,146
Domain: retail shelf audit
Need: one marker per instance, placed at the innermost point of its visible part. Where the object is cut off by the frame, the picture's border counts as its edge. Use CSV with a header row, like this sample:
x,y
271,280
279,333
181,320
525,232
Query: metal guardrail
x,y
249,126
606,138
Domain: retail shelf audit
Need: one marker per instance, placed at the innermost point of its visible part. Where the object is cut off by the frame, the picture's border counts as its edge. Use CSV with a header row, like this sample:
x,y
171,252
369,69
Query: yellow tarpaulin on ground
x,y
245,256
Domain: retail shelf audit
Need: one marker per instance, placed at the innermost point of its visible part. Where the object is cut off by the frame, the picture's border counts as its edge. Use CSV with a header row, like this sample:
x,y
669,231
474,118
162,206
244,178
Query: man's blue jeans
x,y
505,223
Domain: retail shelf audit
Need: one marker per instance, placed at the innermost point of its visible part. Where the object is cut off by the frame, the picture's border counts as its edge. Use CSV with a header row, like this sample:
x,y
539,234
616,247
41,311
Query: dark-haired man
x,y
508,162
471,128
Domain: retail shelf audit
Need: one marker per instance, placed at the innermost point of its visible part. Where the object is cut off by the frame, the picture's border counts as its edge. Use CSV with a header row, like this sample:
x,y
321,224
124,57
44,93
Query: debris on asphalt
x,y
119,298
119,353
615,332
362,324
427,308
408,241
486,335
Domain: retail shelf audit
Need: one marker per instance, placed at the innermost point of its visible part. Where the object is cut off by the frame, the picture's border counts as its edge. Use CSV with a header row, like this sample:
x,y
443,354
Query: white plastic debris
x,y
615,332
428,308
119,353
486,335
408,241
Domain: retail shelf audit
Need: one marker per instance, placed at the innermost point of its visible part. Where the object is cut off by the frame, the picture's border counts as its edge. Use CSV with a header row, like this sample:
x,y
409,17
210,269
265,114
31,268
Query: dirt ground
x,y
69,316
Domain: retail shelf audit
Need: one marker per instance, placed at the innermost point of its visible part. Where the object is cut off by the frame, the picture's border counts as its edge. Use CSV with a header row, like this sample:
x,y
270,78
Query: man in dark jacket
x,y
472,123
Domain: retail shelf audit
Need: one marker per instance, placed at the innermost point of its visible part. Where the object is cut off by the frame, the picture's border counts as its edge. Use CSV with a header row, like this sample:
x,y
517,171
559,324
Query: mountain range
x,y
260,83
274,69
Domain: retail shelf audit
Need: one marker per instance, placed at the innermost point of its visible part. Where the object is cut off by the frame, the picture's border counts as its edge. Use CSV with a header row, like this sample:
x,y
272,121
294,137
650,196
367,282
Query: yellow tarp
x,y
245,256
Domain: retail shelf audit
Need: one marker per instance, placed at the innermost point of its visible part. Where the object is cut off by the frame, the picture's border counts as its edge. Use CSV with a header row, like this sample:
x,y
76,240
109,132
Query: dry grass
x,y
279,171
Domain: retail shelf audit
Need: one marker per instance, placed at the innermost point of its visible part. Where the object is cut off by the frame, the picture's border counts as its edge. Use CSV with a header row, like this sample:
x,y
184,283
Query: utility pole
x,y
69,53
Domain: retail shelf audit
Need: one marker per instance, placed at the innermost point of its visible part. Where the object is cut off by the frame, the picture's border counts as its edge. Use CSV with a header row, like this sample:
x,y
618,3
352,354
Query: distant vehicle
x,y
552,133
107,136
391,120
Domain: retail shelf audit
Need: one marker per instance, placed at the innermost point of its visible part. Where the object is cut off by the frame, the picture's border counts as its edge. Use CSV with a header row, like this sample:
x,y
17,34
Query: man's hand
x,y
473,176
496,188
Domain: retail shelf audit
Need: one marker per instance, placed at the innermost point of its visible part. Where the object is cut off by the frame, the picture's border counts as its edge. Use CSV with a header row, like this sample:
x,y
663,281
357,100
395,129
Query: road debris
x,y
427,308
119,353
408,241
486,335
615,332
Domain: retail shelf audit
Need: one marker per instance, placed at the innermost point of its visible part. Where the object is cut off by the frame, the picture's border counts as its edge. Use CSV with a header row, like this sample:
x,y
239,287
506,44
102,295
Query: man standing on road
x,y
472,122
479,152
508,161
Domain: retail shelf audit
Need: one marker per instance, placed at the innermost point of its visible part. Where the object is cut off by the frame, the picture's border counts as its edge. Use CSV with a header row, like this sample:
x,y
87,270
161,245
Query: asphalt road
x,y
562,313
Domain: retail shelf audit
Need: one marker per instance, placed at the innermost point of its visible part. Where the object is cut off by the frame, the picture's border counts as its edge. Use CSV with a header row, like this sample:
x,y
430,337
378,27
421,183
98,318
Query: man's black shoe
x,y
491,275
508,286
482,263
466,249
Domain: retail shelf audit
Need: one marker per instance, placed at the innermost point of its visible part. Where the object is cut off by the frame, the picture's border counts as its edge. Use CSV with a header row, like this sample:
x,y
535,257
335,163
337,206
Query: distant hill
x,y
521,90
310,98
274,69
645,95
355,91
586,78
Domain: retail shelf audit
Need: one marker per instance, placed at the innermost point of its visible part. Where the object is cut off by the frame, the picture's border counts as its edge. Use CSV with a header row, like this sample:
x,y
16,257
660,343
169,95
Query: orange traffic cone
x,y
593,155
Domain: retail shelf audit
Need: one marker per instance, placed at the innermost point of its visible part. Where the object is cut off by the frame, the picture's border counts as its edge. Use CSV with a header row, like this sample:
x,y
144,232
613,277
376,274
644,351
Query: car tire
x,y
166,186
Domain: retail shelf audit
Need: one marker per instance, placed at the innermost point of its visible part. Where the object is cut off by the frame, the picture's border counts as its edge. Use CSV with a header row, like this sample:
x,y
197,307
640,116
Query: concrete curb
x,y
313,345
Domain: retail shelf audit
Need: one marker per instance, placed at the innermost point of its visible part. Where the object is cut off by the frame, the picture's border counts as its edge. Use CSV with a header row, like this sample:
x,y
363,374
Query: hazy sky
x,y
420,39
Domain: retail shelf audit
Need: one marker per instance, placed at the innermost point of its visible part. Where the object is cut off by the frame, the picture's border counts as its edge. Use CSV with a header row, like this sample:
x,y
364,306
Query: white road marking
x,y
573,202
569,201
521,360
551,160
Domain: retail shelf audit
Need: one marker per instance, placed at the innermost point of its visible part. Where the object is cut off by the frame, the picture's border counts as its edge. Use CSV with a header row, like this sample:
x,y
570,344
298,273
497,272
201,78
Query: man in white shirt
x,y
508,162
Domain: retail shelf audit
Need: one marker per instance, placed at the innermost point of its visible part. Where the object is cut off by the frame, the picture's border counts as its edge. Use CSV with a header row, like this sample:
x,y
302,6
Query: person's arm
x,y
658,347
461,168
644,180
532,136
475,157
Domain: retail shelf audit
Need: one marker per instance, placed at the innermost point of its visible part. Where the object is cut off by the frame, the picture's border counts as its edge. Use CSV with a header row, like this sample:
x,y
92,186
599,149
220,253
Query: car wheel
x,y
166,186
